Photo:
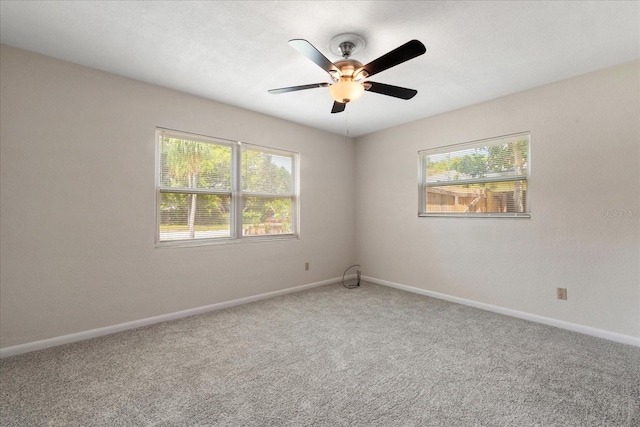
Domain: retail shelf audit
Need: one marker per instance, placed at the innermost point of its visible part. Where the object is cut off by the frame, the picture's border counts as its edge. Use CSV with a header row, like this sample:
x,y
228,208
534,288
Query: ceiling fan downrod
x,y
346,48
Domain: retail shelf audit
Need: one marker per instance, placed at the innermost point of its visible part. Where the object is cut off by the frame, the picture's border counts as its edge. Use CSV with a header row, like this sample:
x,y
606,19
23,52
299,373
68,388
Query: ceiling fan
x,y
348,75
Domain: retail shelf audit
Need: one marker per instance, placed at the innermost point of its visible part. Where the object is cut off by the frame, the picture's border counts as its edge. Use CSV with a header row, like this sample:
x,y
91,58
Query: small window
x,y
216,190
487,178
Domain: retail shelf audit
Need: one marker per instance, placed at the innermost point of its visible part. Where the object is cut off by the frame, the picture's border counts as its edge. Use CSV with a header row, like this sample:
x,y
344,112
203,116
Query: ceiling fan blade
x,y
308,50
407,51
338,107
395,91
295,88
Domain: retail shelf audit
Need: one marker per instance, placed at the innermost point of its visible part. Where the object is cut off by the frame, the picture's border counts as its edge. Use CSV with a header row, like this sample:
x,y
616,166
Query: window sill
x,y
476,215
221,242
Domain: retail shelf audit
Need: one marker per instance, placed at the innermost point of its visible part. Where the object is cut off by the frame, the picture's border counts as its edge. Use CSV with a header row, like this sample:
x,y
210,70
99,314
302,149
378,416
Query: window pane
x,y
266,215
194,216
492,161
192,164
491,197
266,172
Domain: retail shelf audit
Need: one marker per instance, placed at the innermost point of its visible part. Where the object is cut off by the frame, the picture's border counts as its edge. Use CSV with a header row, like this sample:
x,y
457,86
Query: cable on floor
x,y
351,285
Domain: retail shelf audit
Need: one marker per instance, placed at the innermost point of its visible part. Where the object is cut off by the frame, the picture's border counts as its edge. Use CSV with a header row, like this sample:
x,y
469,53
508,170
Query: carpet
x,y
329,356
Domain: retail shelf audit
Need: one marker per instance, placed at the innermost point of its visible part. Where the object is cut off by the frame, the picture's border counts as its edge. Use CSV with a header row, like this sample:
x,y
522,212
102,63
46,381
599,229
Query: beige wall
x,y
77,204
585,161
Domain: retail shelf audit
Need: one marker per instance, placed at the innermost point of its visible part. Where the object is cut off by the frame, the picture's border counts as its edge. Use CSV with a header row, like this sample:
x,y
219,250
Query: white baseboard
x,y
587,330
94,333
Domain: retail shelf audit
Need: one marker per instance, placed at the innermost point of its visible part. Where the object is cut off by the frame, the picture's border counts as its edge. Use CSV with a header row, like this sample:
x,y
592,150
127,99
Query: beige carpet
x,y
373,356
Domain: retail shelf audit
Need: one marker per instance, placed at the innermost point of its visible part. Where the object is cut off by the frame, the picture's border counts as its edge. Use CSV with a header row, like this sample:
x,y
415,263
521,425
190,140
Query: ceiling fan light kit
x,y
346,91
348,74
347,87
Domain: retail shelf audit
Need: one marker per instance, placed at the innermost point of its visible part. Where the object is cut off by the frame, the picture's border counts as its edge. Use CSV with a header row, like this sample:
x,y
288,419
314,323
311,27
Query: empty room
x,y
319,213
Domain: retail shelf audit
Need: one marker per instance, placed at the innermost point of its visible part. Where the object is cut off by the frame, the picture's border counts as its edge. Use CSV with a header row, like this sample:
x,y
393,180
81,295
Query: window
x,y
212,190
486,178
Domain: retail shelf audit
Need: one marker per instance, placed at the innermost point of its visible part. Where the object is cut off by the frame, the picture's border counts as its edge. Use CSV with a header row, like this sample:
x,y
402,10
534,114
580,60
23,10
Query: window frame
x,y
423,185
235,192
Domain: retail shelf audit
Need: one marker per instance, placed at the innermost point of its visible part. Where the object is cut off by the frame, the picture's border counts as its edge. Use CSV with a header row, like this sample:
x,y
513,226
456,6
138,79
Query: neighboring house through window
x,y
487,178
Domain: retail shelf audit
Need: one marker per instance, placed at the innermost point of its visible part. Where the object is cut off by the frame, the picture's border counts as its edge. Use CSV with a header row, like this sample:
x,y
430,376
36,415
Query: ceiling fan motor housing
x,y
348,67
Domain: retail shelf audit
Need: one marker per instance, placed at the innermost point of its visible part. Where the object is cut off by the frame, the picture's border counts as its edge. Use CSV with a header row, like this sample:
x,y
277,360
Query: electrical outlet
x,y
562,293
306,266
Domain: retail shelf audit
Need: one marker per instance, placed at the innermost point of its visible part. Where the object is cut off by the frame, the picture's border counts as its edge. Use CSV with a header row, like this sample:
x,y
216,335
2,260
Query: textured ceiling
x,y
233,52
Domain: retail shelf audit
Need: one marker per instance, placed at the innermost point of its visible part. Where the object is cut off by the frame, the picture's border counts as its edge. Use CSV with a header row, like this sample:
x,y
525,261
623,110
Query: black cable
x,y
357,284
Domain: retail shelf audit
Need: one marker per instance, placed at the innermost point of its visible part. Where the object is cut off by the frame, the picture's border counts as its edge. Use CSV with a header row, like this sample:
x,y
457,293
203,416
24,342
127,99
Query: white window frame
x,y
235,193
423,184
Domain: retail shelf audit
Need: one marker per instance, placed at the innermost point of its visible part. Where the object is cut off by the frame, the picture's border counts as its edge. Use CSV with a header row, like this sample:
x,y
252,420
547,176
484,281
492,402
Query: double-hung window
x,y
487,178
211,190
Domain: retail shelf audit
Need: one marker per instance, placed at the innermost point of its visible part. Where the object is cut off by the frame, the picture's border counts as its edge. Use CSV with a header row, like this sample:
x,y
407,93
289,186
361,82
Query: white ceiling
x,y
234,51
